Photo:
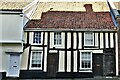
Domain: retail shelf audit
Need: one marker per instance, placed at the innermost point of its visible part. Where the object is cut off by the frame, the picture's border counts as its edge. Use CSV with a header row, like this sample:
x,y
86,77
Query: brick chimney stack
x,y
88,7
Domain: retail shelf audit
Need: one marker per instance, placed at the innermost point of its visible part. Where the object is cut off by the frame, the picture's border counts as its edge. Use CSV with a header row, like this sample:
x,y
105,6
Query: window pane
x,y
57,38
86,60
37,37
89,38
36,59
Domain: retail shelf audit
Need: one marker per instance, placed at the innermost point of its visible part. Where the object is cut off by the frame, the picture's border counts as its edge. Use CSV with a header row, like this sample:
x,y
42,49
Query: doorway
x,y
52,66
97,64
14,65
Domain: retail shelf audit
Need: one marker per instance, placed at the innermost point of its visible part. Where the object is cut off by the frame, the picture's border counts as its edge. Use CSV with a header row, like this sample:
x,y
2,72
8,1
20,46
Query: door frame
x,y
9,55
101,63
57,59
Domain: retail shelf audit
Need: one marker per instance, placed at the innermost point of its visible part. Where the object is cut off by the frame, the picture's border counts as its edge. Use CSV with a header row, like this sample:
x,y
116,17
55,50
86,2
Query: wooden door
x,y
52,66
98,64
109,62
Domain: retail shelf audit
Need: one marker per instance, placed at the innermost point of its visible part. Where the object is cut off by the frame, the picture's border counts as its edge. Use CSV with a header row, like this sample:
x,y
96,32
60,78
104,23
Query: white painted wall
x,y
75,61
7,48
24,59
68,40
111,40
106,40
80,40
69,61
101,40
61,67
75,40
12,28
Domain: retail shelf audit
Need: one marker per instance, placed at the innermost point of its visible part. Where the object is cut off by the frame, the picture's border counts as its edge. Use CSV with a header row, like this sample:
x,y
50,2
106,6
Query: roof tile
x,y
73,20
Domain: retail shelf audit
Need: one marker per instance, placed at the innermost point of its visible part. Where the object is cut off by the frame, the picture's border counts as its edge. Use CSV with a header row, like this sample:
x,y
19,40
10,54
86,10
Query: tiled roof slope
x,y
73,20
13,4
68,6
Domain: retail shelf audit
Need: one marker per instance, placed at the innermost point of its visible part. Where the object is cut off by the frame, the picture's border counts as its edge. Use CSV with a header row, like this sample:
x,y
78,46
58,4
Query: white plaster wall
x,y
46,38
75,61
25,37
3,61
61,61
117,69
101,40
96,39
7,48
31,37
45,60
69,61
36,48
12,28
68,40
24,59
75,40
80,41
111,40
51,39
106,40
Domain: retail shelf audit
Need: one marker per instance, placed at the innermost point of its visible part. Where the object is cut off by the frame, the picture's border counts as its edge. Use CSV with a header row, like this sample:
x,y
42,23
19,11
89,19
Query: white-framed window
x,y
89,39
36,59
37,37
85,61
57,38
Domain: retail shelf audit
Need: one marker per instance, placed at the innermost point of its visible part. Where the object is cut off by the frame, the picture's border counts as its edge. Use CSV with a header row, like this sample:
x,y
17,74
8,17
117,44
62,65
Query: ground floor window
x,y
85,61
36,60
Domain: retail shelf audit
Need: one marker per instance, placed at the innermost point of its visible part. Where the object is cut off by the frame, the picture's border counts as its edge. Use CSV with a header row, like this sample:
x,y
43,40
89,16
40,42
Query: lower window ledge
x,y
85,71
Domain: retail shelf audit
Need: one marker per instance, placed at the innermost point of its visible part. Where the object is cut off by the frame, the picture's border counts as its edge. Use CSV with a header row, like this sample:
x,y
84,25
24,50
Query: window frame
x,y
85,39
86,69
41,38
35,68
57,39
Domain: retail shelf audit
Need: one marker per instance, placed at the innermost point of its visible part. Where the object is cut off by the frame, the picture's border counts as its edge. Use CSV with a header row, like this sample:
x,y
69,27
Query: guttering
x,y
54,29
10,11
15,42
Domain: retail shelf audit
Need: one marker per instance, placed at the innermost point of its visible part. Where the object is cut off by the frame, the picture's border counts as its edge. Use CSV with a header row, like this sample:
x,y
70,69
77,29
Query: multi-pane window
x,y
36,60
86,60
37,37
89,39
57,38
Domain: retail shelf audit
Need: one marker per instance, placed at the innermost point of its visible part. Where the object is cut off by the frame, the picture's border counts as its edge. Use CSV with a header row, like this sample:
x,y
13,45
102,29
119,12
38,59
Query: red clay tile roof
x,y
73,20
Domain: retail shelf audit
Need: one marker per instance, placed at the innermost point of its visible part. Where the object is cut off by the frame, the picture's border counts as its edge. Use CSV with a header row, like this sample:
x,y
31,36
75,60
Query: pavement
x,y
96,78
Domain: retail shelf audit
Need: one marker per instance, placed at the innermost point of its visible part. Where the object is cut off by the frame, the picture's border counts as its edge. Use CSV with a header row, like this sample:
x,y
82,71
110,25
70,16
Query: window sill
x,y
90,47
57,46
36,44
86,71
35,69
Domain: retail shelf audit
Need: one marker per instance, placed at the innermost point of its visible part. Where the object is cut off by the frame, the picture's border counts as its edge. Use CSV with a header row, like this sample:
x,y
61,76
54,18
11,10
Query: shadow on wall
x,y
0,76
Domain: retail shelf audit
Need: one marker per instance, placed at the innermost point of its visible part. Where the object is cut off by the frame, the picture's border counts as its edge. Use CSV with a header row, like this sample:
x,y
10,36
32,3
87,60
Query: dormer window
x,y
89,39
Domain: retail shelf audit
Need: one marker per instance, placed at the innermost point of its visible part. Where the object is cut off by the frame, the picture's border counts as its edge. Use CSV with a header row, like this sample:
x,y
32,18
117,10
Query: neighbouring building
x,y
70,40
115,9
14,15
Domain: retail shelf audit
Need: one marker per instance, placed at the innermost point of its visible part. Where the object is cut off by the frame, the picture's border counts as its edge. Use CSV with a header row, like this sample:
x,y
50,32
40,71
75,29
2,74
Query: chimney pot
x,y
88,7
